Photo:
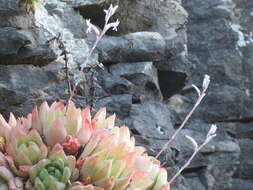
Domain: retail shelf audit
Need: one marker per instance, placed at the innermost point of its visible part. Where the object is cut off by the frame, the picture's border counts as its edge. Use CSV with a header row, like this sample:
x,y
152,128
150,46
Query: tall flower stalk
x,y
99,34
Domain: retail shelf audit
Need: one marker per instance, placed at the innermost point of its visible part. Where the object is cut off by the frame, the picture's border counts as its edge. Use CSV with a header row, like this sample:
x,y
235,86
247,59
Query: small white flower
x,y
206,82
112,25
110,12
115,25
211,134
91,28
212,130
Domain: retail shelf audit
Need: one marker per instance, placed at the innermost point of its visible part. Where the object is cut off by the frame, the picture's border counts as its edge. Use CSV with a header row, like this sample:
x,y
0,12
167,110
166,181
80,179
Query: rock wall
x,y
160,49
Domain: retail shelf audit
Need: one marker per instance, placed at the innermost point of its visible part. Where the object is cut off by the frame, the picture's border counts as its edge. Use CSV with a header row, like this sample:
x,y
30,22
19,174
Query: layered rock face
x,y
160,49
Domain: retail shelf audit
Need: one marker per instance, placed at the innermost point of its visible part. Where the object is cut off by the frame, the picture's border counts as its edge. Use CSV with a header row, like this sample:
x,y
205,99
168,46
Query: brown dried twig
x,y
64,52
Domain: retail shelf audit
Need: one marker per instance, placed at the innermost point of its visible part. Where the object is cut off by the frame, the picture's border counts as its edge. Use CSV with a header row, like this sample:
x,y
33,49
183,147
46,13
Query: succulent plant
x,y
111,161
26,149
58,121
54,172
23,145
6,127
60,147
7,178
63,147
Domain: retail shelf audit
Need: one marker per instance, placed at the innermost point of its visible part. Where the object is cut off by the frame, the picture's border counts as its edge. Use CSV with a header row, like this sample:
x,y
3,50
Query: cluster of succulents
x,y
61,147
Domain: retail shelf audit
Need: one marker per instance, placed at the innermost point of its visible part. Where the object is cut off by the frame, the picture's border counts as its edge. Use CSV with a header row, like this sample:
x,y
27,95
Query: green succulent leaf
x,y
26,148
66,175
38,185
51,174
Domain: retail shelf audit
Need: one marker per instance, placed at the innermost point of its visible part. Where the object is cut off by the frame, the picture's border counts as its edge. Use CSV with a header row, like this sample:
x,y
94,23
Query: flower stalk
x,y
211,134
99,35
201,95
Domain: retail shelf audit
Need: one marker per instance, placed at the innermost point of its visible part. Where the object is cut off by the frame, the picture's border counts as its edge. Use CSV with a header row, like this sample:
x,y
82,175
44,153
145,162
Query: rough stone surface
x,y
153,114
143,79
139,15
119,104
13,16
16,48
217,48
20,84
139,46
10,8
12,40
219,44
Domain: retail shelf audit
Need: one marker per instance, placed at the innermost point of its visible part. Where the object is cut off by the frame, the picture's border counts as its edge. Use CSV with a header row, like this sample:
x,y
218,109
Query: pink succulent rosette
x,y
61,147
112,161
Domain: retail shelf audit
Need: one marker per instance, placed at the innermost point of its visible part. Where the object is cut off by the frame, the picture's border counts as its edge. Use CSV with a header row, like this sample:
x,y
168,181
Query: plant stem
x,y
189,160
200,98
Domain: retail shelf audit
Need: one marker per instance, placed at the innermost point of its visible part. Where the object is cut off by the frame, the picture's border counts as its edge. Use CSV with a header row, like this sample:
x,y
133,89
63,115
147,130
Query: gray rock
x,y
25,79
242,184
212,168
219,49
245,7
180,183
195,183
151,120
114,84
135,16
12,100
209,9
10,8
245,169
222,103
143,77
143,15
69,18
239,129
219,177
40,55
91,9
17,49
118,104
13,16
60,22
216,163
12,40
220,45
22,83
134,47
